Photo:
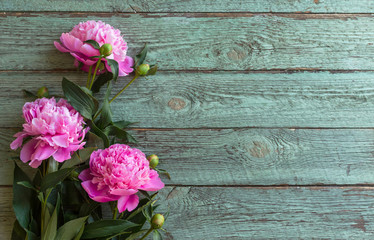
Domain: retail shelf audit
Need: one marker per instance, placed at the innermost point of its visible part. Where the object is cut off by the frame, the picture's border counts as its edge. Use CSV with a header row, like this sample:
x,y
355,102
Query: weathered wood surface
x,y
256,213
202,41
249,156
219,99
304,6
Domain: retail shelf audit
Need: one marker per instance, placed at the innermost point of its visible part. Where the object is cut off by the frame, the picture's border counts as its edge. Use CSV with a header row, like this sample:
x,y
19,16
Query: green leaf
x,y
162,171
157,235
137,235
93,43
101,80
152,70
79,157
120,133
50,231
22,198
70,229
106,114
99,133
104,228
139,59
18,233
113,64
79,235
123,124
29,94
80,100
52,179
27,184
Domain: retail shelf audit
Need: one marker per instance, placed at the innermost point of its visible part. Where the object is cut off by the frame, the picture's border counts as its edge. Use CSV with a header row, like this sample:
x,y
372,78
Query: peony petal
x,y
62,154
154,184
60,47
43,151
88,50
128,202
97,195
124,67
27,150
18,142
85,175
123,192
83,59
61,140
35,163
70,42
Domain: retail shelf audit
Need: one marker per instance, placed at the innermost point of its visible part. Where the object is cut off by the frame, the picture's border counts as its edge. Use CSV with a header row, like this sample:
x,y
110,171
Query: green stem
x,y
115,213
147,233
123,89
94,75
89,77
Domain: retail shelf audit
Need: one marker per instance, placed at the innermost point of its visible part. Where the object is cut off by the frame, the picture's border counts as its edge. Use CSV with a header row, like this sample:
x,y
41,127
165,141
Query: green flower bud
x,y
142,69
157,221
42,92
106,49
153,160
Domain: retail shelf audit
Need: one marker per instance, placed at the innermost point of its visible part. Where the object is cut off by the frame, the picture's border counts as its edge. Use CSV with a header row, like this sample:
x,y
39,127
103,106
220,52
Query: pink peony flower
x,y
56,129
73,42
117,173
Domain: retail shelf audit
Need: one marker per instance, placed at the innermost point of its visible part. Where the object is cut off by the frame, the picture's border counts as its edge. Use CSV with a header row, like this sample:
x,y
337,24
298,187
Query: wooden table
x,y
262,111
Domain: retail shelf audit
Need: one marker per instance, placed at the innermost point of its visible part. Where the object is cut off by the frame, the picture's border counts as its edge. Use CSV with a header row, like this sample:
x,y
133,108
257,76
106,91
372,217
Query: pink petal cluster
x,y
56,129
117,173
73,42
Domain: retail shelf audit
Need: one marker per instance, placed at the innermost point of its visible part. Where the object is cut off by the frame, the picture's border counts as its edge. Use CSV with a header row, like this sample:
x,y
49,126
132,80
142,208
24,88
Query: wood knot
x,y
236,55
259,149
176,103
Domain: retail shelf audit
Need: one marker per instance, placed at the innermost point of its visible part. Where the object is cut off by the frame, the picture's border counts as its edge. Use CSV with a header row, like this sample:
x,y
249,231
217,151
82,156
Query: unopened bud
x,y
142,69
157,221
42,92
106,49
153,160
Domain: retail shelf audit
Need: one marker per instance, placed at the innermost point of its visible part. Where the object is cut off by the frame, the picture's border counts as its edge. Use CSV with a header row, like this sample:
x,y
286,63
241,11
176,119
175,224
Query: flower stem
x,y
89,77
147,233
123,89
115,213
94,74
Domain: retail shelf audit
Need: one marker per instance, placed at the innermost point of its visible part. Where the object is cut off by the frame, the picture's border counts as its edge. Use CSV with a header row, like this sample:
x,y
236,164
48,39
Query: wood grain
x,y
219,99
249,156
203,41
309,6
258,213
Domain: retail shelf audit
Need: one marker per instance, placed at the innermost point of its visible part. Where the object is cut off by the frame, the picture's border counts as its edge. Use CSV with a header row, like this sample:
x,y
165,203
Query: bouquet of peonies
x,y
83,163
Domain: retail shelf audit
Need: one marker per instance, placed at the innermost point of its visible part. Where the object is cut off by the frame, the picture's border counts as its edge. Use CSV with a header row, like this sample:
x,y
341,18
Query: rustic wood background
x,y
263,110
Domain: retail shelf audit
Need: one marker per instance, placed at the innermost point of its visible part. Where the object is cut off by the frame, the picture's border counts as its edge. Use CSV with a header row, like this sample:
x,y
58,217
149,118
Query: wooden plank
x,y
258,213
202,41
249,156
310,6
219,99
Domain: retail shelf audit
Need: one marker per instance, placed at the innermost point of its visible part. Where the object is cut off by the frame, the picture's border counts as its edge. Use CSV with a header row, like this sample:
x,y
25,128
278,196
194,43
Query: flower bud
x,y
153,160
142,69
157,221
42,92
106,49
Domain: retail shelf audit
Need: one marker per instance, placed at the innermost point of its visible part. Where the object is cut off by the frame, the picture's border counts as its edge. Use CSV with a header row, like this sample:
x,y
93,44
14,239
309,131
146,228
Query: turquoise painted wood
x,y
247,157
220,99
218,41
256,213
115,6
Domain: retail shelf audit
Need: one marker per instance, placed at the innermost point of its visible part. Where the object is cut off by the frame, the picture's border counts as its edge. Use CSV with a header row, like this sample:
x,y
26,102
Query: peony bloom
x,y
73,42
117,173
55,129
